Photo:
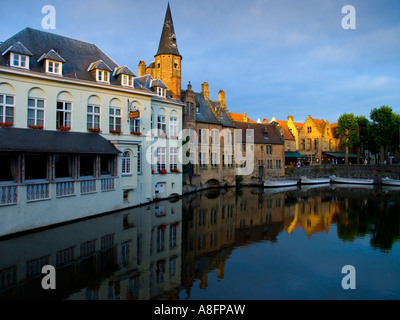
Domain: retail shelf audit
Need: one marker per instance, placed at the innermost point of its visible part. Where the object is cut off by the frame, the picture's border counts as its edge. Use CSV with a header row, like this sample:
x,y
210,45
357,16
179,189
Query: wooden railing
x,y
8,194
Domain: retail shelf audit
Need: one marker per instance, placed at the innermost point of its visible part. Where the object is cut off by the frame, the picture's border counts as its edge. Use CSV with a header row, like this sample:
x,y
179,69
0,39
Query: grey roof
x,y
157,83
124,70
51,55
224,117
79,55
168,43
99,64
17,47
29,140
205,113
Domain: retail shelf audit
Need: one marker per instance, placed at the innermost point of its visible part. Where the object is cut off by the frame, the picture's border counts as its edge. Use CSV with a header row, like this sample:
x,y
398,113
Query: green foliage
x,y
348,129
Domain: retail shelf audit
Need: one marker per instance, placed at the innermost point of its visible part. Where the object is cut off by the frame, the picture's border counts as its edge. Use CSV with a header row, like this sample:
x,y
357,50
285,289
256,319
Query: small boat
x,y
390,182
351,180
307,187
279,183
305,180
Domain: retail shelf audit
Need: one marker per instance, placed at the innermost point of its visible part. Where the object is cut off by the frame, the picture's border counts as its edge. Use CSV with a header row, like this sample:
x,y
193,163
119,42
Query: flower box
x,y
135,133
94,130
63,128
6,124
118,132
175,170
163,171
36,127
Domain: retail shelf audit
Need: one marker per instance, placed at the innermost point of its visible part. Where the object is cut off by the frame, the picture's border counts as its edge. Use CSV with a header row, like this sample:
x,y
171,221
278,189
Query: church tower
x,y
168,59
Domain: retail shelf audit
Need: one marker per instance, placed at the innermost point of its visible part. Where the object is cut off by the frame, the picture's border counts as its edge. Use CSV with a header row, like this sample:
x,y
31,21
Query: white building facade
x,y
76,133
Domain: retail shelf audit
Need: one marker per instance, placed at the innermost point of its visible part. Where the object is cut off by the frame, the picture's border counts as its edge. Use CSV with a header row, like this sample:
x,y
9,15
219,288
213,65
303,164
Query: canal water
x,y
324,242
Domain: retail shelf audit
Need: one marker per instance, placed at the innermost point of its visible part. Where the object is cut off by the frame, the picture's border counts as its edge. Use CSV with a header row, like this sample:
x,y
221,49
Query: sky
x,y
273,58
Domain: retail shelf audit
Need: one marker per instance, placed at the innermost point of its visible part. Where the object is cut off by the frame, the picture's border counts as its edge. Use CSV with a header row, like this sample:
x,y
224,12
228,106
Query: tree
x,y
364,135
384,128
348,132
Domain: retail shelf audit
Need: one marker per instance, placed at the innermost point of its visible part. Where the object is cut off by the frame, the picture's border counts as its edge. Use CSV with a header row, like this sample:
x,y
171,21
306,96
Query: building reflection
x,y
137,251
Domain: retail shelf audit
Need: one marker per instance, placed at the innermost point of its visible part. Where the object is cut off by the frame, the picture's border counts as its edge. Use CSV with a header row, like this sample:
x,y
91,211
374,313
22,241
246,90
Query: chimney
x,y
221,97
204,90
290,118
265,121
141,69
245,119
189,86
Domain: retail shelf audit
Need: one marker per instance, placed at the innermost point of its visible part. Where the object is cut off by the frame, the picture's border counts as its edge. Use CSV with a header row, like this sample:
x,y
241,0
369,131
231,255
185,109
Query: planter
x,y
6,124
116,132
163,171
63,128
94,130
136,133
36,127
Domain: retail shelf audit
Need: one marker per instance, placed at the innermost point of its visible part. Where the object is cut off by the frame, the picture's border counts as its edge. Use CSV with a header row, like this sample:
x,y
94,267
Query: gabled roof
x,y
18,47
168,43
99,64
123,70
28,140
285,129
51,55
157,83
205,114
79,55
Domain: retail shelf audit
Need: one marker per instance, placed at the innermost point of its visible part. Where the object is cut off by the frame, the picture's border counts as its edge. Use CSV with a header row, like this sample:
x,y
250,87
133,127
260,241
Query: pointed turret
x,y
168,43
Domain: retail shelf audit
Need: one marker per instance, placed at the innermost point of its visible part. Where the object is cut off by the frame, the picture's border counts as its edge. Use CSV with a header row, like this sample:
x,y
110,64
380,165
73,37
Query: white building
x,y
75,132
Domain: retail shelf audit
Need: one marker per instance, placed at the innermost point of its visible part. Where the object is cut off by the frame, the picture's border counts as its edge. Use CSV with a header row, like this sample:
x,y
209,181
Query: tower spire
x,y
168,43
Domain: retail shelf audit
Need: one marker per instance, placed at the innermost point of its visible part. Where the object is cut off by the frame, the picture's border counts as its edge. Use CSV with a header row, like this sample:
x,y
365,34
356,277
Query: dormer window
x,y
53,67
103,76
19,60
19,55
53,62
127,81
101,71
159,87
125,75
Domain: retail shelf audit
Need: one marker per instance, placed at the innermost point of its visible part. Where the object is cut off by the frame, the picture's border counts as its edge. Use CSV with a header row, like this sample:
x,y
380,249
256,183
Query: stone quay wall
x,y
376,172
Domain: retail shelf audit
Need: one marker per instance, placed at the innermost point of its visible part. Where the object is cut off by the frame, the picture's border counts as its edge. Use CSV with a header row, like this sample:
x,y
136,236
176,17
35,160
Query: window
x,y
6,109
126,163
173,127
36,167
189,108
64,166
303,144
279,164
115,118
161,238
127,81
19,60
173,158
172,236
35,112
214,137
214,160
103,76
53,67
93,117
309,129
202,159
106,165
139,159
203,136
135,125
63,114
160,92
269,164
269,149
161,158
87,165
161,125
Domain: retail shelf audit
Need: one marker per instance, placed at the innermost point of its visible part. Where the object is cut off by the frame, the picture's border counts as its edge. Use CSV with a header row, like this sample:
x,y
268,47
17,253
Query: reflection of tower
x,y
203,283
168,59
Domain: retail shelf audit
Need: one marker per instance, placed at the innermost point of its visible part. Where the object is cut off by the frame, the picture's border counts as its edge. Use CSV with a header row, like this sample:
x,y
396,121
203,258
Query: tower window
x,y
175,65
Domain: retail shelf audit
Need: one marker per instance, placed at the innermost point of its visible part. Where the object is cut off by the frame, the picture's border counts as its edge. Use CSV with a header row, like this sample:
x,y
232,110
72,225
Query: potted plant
x,y
94,130
36,127
5,124
136,133
115,131
64,128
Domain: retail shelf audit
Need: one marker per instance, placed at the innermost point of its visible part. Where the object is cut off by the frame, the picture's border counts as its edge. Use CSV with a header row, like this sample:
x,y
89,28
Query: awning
x,y
339,154
295,154
43,141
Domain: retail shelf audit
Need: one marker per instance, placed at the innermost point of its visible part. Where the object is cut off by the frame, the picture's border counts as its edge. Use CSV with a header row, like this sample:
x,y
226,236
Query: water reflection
x,y
161,250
